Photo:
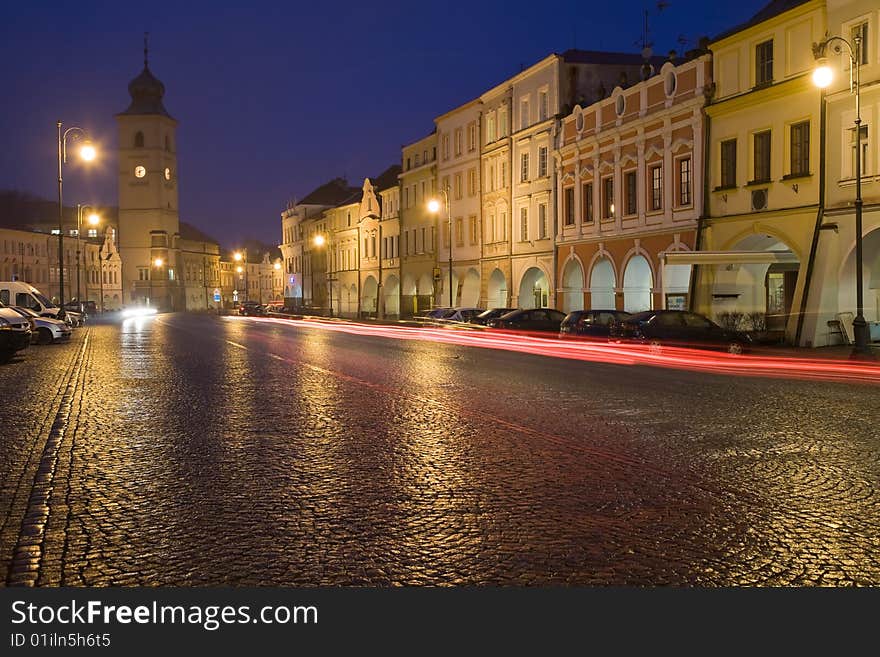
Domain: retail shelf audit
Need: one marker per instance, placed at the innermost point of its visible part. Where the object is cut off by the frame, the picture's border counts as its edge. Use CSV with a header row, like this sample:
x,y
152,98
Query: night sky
x,y
275,98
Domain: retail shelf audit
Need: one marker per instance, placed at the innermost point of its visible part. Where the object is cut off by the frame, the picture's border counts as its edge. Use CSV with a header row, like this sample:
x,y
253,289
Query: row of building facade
x,y
722,182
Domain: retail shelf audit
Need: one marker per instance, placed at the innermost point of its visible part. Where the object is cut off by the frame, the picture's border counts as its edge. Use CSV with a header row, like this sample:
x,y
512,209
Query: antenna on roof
x,y
146,47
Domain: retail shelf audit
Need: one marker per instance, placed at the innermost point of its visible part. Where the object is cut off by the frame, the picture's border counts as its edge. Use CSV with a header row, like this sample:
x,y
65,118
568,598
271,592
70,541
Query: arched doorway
x,y
572,286
637,284
496,296
757,296
602,284
408,296
534,290
369,296
846,289
470,289
392,296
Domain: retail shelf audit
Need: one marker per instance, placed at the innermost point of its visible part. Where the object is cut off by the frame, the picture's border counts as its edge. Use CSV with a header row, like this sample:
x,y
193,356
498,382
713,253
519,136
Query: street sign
x,y
217,294
235,296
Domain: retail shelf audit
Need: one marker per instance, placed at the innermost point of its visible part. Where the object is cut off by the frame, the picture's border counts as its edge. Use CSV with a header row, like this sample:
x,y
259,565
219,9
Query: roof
x,y
574,56
331,193
770,10
193,234
387,179
146,92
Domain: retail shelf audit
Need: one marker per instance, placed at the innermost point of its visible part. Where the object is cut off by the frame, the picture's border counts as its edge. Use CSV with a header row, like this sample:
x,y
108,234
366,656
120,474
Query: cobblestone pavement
x,y
196,450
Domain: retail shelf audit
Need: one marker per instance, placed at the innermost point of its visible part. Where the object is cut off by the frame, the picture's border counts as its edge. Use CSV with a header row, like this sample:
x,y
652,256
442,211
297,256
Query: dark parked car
x,y
679,328
493,313
532,319
251,308
590,323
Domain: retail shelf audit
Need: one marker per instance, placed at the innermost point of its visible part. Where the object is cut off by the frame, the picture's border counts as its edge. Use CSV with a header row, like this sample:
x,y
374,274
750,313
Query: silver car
x,y
45,330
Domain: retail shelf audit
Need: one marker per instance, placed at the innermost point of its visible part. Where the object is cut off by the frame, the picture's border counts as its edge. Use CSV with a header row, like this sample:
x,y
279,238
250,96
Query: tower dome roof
x,y
146,92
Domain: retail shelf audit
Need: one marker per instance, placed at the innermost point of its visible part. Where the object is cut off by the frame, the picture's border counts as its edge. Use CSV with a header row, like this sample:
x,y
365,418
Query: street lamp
x,y
822,77
87,153
241,256
277,267
434,208
93,220
319,241
157,263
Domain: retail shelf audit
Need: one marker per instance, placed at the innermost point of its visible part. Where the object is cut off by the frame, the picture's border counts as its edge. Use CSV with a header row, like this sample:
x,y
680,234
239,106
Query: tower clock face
x,y
167,173
140,172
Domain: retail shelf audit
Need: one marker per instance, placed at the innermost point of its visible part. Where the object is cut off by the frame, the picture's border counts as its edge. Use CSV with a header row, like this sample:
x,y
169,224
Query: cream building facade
x,y
458,173
763,180
832,280
418,226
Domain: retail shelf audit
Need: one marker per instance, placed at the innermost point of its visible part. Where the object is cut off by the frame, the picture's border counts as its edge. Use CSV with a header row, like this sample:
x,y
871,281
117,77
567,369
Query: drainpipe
x,y
704,214
820,214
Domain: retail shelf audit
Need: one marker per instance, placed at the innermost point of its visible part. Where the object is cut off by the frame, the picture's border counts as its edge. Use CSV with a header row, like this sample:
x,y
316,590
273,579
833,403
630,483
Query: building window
x,y
542,161
523,224
656,187
524,167
543,105
490,128
472,182
458,189
446,241
762,156
629,182
459,136
728,163
861,30
459,231
764,63
524,114
863,144
503,175
542,221
445,151
472,228
139,140
472,135
502,122
568,206
502,227
608,198
587,202
684,181
800,149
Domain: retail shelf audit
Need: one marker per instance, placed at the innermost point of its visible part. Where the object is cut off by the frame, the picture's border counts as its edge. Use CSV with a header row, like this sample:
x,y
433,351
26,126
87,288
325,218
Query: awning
x,y
728,257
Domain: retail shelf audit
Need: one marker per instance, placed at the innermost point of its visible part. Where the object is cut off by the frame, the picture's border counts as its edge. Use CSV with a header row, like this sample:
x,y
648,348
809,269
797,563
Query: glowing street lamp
x,y
319,241
86,153
822,77
94,219
434,208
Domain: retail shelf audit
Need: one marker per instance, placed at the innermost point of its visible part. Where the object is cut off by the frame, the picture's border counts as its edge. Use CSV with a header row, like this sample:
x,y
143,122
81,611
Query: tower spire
x,y
146,47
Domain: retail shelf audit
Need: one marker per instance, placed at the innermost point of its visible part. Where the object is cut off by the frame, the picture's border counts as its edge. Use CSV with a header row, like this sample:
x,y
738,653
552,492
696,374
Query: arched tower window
x,y
167,143
139,140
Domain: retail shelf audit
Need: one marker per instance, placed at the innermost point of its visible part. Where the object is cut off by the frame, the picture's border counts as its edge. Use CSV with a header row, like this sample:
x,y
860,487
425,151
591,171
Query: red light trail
x,y
824,369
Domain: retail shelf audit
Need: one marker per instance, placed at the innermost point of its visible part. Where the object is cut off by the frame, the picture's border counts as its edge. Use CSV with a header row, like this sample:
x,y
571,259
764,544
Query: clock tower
x,y
149,226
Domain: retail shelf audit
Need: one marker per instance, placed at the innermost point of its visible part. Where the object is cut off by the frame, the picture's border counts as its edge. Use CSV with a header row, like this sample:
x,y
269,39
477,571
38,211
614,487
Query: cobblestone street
x,y
197,450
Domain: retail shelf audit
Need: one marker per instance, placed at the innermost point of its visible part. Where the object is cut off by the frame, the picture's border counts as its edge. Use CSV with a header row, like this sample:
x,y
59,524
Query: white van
x,y
18,293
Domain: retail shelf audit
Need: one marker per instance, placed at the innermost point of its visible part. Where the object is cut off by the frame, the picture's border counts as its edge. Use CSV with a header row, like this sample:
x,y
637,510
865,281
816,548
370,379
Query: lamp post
x,y
822,77
241,257
157,263
276,267
87,153
319,240
93,220
434,208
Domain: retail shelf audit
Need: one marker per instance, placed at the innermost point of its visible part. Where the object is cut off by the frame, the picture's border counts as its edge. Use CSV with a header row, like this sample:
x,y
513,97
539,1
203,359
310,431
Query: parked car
x,y
15,333
484,317
44,330
532,319
18,293
590,323
678,328
463,315
436,313
85,308
251,308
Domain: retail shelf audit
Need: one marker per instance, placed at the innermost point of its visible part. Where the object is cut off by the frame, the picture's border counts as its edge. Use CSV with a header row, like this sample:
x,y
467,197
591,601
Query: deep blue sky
x,y
275,98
